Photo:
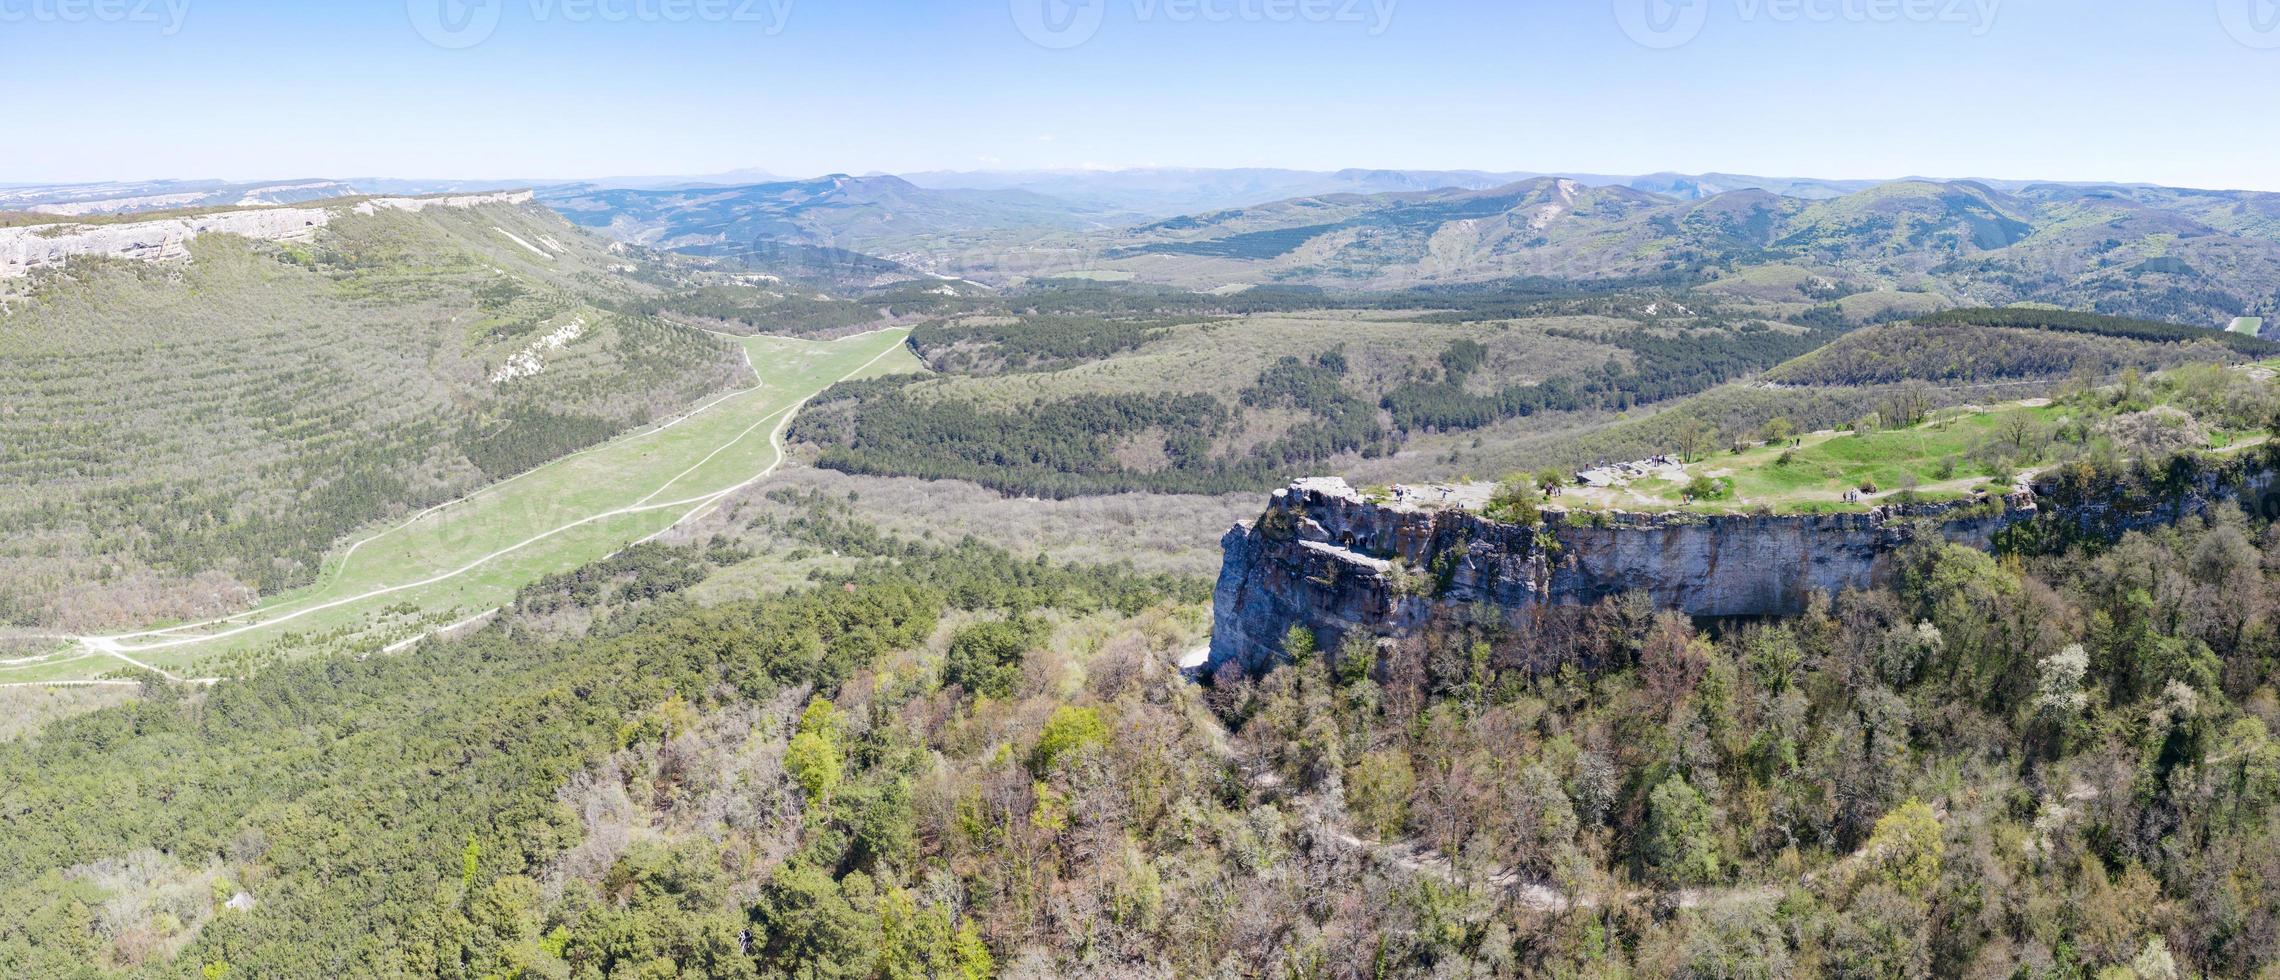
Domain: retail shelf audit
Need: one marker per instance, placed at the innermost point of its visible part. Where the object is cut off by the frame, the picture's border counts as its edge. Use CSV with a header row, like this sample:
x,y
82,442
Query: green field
x,y
1930,458
1955,453
472,555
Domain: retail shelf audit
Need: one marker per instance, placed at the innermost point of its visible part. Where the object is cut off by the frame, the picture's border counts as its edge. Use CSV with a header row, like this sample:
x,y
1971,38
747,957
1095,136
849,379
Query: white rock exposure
x,y
530,360
38,246
74,209
29,247
373,205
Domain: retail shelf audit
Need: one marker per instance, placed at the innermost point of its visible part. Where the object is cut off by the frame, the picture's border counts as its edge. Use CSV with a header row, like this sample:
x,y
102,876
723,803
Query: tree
x,y
1298,643
1905,849
2059,696
813,926
1515,501
1777,429
813,757
1692,436
2019,434
986,658
1907,406
1681,843
1071,730
1357,658
1378,786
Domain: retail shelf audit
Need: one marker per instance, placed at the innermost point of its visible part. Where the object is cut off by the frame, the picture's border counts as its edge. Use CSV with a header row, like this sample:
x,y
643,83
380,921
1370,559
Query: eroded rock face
x,y
26,248
1326,559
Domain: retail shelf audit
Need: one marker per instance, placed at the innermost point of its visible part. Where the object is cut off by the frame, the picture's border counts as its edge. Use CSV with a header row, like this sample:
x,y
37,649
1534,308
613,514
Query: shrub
x,y
1070,731
986,658
813,761
1515,501
1680,840
1710,488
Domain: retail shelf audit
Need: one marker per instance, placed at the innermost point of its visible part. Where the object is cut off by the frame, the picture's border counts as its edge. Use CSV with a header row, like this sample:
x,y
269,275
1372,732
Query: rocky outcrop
x,y
26,248
1324,558
373,205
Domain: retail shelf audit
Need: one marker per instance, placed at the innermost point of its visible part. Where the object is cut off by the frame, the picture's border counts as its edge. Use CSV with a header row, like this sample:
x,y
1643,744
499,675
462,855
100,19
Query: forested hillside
x,y
960,763
1052,404
182,435
2197,257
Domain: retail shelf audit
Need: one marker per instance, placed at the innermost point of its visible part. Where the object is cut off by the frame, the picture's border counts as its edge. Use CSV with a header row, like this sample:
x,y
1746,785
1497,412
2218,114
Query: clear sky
x,y
2170,91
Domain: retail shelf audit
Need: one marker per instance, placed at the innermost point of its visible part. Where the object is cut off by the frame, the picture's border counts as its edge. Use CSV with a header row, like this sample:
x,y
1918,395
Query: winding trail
x,y
123,646
340,564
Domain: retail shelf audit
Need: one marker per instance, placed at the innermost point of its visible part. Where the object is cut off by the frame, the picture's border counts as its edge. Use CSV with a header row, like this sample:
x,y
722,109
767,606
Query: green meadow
x,y
458,560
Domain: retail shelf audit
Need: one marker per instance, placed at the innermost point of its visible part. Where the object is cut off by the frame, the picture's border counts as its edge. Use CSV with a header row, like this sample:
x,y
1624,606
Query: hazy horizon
x,y
759,175
1836,89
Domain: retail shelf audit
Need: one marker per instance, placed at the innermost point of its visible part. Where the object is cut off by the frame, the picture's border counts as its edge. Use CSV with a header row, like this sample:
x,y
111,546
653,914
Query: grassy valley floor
x,y
459,560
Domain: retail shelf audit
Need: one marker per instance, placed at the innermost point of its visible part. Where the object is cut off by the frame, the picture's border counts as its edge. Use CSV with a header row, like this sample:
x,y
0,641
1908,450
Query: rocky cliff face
x,y
1324,558
24,249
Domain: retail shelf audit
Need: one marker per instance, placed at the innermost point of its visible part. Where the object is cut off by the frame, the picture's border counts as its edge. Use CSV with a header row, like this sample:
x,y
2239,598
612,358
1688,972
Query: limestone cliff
x,y
29,247
1325,558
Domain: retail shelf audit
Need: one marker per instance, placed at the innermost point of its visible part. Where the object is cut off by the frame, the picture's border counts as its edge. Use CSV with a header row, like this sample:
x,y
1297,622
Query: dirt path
x,y
341,563
118,645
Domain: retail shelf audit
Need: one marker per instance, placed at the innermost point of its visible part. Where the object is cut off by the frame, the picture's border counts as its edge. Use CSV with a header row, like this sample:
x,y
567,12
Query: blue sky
x,y
2176,91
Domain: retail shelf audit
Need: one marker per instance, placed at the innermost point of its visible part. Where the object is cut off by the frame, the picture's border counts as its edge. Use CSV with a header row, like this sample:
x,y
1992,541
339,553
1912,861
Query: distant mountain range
x,y
2197,256
1172,191
123,197
1869,249
876,214
1793,243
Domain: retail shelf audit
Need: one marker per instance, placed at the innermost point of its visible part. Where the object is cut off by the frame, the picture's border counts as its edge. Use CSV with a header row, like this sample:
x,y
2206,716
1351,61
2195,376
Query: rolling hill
x,y
2195,256
183,433
879,215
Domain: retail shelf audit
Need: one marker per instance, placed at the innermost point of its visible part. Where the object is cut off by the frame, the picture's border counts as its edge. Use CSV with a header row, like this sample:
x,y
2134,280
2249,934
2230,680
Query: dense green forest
x,y
948,761
1301,412
783,310
1031,343
1947,352
409,816
2092,323
1058,449
1665,365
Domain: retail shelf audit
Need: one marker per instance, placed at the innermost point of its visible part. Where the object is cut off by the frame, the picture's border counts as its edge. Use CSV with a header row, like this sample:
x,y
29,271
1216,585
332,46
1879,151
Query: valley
x,y
817,553
473,554
1055,490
